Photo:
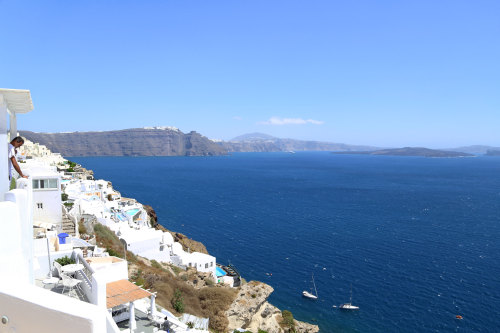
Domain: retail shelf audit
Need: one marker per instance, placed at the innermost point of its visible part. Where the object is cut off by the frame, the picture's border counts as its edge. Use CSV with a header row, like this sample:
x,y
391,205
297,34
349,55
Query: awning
x,y
123,292
17,100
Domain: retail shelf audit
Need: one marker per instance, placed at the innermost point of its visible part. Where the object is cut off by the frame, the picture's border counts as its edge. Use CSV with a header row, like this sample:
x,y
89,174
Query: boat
x,y
349,306
308,294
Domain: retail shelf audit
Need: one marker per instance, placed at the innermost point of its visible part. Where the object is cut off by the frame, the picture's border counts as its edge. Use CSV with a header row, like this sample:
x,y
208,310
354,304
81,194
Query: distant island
x,y
493,153
411,151
260,142
170,141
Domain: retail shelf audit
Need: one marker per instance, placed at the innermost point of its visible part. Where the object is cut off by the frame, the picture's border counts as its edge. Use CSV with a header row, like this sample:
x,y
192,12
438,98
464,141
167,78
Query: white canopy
x,y
17,100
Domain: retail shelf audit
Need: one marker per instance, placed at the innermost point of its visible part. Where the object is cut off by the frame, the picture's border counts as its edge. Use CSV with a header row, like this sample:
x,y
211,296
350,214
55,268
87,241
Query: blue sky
x,y
387,73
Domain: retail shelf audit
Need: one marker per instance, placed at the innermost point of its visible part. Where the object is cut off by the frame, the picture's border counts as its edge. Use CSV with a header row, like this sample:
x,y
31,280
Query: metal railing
x,y
86,272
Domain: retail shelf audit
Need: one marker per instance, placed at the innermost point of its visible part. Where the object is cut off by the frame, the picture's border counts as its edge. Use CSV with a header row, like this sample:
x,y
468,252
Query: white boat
x,y
349,306
308,294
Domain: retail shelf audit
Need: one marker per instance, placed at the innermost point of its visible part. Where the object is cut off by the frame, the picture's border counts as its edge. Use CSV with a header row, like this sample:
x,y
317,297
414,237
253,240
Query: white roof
x,y
17,100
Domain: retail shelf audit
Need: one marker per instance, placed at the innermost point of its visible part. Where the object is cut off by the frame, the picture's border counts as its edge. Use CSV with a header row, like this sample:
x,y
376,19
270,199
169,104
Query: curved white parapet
x,y
32,309
168,239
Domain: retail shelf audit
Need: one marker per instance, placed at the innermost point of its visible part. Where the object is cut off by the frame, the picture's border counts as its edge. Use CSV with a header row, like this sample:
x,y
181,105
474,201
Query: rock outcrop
x,y
153,218
251,311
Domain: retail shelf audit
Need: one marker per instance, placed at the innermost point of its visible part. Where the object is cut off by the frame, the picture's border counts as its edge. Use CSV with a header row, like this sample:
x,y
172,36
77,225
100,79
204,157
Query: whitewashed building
x,y
19,297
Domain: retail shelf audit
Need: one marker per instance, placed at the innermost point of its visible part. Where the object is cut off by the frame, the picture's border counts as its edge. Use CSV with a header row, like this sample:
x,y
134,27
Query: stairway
x,y
68,226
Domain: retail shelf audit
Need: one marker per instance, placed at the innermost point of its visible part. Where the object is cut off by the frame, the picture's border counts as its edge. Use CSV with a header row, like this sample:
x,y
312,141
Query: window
x,y
39,205
206,265
211,264
39,184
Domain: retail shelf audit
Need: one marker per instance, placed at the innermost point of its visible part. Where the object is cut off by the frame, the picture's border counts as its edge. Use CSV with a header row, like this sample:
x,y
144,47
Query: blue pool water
x,y
132,212
121,217
416,237
219,271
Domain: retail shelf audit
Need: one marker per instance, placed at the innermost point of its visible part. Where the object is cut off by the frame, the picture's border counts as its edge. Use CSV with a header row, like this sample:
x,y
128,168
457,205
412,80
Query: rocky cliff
x,y
155,141
251,311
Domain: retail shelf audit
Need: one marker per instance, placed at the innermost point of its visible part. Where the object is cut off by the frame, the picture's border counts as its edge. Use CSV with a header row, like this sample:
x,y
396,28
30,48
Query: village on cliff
x,y
55,270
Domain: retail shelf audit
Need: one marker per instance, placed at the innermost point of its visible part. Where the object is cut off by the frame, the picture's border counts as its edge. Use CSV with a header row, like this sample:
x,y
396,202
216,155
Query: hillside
x,y
157,141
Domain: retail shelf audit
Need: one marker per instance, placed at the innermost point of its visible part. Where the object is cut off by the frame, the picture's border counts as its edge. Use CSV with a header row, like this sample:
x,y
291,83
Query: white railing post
x,y
4,167
13,125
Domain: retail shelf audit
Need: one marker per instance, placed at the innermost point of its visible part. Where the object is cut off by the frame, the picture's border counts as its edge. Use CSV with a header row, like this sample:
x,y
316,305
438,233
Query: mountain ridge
x,y
157,141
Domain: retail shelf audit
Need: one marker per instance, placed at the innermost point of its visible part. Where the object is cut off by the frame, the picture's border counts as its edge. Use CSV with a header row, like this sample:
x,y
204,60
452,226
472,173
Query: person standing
x,y
13,165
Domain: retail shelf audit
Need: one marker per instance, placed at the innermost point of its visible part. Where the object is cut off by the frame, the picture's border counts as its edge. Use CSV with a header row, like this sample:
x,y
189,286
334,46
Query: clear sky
x,y
386,73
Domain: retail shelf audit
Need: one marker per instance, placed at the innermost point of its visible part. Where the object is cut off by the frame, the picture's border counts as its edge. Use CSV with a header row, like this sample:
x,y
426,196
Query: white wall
x,y
51,200
200,260
41,265
98,296
110,272
147,241
33,309
16,240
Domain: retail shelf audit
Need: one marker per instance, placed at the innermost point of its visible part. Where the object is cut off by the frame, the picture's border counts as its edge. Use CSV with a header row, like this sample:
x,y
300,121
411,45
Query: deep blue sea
x,y
418,238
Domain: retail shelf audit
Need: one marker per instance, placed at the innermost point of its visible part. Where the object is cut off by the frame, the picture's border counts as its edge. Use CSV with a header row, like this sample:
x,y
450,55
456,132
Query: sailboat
x,y
308,294
349,306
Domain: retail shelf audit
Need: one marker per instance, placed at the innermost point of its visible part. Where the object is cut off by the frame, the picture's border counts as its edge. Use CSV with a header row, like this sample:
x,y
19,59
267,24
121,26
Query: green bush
x,y
176,270
65,261
139,281
190,324
70,170
262,331
288,320
178,301
113,253
64,196
156,264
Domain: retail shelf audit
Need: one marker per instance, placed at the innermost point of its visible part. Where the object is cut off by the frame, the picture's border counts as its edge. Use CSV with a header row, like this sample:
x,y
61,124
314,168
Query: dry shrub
x,y
208,302
211,302
106,238
219,322
214,299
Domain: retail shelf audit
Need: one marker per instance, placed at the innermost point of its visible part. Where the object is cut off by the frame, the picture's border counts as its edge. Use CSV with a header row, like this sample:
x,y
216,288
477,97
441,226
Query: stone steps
x,y
68,226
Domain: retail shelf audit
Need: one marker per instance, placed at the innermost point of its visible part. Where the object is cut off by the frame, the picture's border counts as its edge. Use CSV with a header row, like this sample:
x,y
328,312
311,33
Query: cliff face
x,y
129,142
251,311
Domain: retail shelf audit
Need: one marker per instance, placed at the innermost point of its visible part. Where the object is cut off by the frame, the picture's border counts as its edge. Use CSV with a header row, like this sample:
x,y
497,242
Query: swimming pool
x,y
219,271
132,212
121,217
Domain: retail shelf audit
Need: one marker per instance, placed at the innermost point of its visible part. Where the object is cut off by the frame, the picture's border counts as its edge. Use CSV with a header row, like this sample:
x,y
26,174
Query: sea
x,y
417,239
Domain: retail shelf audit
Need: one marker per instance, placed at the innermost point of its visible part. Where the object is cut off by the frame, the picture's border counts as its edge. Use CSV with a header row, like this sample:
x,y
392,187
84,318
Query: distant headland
x,y
411,151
